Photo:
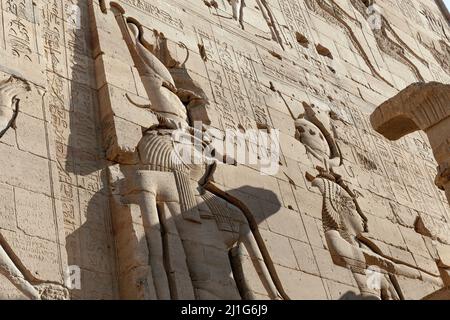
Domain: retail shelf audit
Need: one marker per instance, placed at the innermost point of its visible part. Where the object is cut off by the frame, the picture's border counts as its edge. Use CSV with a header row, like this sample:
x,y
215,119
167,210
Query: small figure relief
x,y
436,24
439,49
263,6
387,39
410,11
13,269
333,13
9,102
349,241
10,265
176,196
237,6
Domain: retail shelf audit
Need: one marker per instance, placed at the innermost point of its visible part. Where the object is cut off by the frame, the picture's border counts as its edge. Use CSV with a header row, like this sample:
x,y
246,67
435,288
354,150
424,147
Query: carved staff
x,y
211,187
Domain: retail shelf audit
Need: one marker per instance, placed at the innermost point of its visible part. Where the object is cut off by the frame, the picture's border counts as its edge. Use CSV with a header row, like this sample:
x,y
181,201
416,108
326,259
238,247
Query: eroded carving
x,y
314,130
13,269
420,107
389,41
349,241
333,13
439,49
435,23
166,188
9,102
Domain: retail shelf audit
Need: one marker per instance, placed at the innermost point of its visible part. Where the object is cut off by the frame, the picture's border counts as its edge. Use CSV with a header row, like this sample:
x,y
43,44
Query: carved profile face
x,y
9,90
311,136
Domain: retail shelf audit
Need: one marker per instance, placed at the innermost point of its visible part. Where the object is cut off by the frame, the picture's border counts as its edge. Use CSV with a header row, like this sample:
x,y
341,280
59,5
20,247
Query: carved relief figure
x,y
388,40
345,224
439,49
315,131
10,265
346,232
334,14
169,193
264,7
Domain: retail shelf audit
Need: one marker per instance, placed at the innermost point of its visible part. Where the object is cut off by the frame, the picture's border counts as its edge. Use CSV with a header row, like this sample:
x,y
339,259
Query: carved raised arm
x,y
9,90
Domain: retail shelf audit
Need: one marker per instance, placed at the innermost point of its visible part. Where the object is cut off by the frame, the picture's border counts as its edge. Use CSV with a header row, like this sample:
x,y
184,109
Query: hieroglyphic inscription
x,y
52,33
155,11
235,84
436,24
218,82
55,53
409,10
293,13
19,25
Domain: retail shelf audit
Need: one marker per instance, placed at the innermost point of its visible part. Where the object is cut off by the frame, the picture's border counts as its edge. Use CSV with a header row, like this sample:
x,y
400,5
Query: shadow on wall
x,y
350,295
210,269
267,205
89,240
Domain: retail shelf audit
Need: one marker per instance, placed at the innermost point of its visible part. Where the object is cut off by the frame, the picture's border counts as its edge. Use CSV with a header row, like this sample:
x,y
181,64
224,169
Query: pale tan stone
x,y
305,257
89,177
280,249
287,223
300,280
339,291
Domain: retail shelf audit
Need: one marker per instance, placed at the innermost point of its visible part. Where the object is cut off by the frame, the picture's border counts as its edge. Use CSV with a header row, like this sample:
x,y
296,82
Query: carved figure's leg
x,y
176,260
236,5
13,274
266,17
151,199
238,11
247,240
152,226
366,293
388,291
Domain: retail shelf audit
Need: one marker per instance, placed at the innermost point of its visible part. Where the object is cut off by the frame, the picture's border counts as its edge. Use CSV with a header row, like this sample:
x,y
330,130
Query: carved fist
x,y
10,89
8,93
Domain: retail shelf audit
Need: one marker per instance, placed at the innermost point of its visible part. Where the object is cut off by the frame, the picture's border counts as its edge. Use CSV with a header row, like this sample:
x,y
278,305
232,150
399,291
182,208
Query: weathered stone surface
x,y
306,201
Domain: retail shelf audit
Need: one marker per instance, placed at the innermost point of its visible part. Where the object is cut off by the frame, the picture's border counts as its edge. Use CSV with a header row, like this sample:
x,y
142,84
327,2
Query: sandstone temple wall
x,y
69,147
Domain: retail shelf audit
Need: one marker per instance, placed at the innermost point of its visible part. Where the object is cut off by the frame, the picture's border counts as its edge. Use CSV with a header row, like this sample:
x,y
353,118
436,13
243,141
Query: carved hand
x,y
9,91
